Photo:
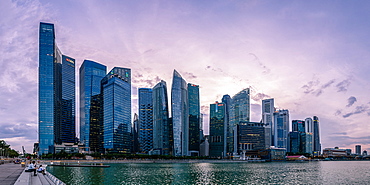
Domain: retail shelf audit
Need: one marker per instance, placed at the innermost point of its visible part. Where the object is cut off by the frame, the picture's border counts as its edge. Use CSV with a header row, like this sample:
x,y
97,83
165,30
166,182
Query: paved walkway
x,y
9,173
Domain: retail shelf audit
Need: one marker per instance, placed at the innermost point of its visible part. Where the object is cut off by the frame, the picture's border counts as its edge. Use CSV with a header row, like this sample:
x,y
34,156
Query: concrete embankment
x,y
146,161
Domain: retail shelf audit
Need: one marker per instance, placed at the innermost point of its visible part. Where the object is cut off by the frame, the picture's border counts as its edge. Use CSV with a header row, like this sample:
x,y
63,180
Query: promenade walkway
x,y
9,173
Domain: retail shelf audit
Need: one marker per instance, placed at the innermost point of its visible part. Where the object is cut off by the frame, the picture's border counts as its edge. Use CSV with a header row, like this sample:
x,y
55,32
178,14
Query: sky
x,y
312,57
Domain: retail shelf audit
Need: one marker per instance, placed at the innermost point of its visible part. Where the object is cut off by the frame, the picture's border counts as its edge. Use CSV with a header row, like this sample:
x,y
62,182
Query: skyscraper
x,y
226,99
117,110
145,119
218,130
91,74
281,128
239,111
268,110
68,123
194,118
180,115
135,134
305,145
358,149
162,129
49,59
56,93
316,135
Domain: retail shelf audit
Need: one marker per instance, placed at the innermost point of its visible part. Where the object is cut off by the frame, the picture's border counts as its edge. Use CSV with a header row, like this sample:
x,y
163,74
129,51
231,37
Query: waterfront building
x,y
145,119
306,142
298,126
250,136
218,130
135,134
316,135
180,115
95,138
162,125
239,111
335,152
364,153
268,110
68,103
116,88
194,119
56,93
226,99
294,142
280,128
358,149
91,74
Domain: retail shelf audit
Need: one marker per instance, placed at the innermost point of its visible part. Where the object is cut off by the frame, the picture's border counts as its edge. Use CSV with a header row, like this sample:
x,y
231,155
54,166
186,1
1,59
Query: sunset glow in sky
x,y
312,57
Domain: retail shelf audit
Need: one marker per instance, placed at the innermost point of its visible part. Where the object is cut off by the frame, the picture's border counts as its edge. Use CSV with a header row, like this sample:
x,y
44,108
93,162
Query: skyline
x,y
221,46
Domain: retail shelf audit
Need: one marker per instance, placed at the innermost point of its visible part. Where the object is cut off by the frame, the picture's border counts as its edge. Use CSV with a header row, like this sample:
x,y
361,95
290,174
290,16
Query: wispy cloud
x,y
359,109
351,100
343,85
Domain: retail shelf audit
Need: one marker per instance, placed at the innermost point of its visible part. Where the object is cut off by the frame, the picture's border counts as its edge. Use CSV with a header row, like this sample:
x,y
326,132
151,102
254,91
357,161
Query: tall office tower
x,y
281,128
117,110
239,110
180,115
49,87
250,136
298,126
96,127
268,109
316,135
68,133
358,149
56,93
226,99
91,74
162,129
194,119
218,130
308,125
135,134
294,142
305,137
146,119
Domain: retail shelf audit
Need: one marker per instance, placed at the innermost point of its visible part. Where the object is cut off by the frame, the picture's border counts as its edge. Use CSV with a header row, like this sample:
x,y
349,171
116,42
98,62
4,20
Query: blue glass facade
x,y
162,125
226,99
316,135
239,111
218,130
47,97
91,74
194,117
68,123
180,115
117,110
145,119
281,128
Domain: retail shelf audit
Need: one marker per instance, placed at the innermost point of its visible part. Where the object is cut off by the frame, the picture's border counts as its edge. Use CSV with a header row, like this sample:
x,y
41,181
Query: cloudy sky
x,y
312,58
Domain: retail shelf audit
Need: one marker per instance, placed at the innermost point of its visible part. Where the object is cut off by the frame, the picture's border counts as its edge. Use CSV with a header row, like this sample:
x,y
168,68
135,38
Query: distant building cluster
x,y
163,125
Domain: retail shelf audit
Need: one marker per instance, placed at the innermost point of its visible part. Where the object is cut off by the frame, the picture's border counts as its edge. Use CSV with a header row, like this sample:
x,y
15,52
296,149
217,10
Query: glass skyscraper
x,y
218,130
162,125
239,110
68,123
194,117
281,128
268,110
316,135
91,74
117,110
180,113
145,119
56,93
226,99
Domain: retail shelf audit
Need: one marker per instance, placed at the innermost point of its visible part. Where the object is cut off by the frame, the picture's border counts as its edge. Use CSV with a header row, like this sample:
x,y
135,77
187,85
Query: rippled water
x,y
323,172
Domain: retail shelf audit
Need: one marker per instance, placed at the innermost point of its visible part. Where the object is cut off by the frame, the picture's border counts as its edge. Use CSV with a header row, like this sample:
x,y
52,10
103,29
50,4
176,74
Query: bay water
x,y
316,172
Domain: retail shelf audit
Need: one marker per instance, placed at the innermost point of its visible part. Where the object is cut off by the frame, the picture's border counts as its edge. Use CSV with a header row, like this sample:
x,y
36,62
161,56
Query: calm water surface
x,y
323,172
